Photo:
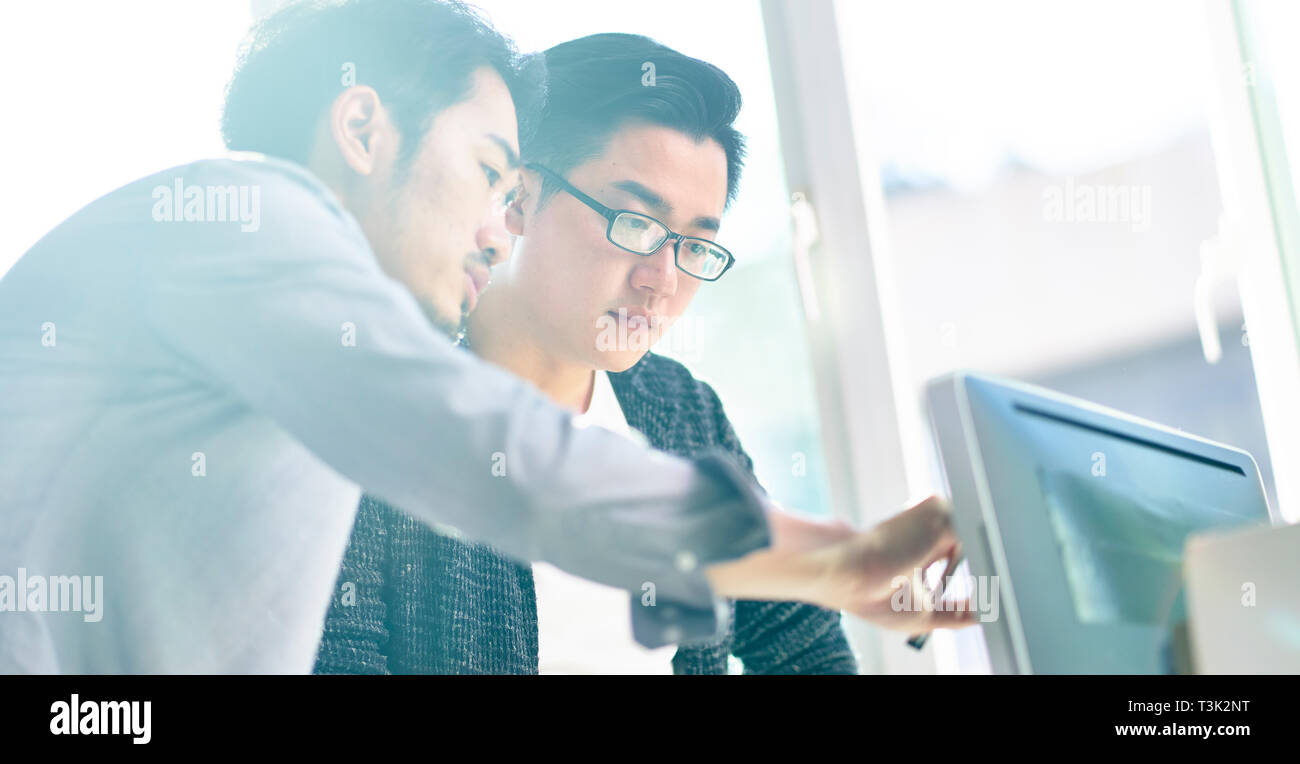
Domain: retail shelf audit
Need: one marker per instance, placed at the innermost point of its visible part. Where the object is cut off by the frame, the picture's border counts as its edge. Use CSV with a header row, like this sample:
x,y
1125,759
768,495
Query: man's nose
x,y
657,272
493,240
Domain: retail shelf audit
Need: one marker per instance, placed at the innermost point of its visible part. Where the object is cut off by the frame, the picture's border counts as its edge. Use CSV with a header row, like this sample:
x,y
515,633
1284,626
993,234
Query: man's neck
x,y
568,384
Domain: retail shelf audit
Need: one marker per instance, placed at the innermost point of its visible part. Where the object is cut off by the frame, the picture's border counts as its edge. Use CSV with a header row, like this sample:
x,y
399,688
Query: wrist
x,y
794,532
783,574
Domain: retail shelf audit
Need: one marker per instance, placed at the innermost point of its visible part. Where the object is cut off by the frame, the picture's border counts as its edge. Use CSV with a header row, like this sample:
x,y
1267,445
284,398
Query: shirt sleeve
x,y
298,320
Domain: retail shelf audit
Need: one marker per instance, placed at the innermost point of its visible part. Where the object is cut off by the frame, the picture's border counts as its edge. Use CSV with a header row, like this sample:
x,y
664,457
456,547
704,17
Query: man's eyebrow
x,y
661,205
512,157
707,223
652,199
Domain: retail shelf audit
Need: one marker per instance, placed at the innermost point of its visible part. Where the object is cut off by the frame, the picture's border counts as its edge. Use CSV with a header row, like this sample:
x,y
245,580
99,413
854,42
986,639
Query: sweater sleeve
x,y
781,637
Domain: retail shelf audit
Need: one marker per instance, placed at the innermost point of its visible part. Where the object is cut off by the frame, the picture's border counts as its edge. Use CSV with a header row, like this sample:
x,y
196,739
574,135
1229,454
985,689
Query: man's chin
x,y
452,327
615,362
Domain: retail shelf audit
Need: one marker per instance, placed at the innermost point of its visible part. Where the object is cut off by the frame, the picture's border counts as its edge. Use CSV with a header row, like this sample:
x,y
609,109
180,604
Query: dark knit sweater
x,y
412,601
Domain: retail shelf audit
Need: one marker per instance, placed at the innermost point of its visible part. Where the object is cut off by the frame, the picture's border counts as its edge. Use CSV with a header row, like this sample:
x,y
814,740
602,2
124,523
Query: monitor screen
x,y
1082,513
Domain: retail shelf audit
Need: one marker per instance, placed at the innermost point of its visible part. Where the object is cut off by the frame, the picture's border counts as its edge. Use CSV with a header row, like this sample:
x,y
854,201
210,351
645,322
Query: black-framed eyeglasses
x,y
643,235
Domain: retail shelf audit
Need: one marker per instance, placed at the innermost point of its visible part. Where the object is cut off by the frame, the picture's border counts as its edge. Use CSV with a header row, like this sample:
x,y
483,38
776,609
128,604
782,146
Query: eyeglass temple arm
x,y
567,186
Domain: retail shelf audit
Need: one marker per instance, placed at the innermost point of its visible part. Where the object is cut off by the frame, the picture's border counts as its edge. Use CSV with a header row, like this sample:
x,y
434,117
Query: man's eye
x,y
492,175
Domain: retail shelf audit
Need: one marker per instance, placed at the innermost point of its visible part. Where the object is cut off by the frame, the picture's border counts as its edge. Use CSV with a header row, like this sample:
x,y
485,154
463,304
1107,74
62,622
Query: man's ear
x,y
359,124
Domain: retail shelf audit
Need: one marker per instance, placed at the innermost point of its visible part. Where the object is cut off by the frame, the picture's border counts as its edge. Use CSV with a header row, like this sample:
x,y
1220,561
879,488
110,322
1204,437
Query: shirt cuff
x,y
742,530
669,623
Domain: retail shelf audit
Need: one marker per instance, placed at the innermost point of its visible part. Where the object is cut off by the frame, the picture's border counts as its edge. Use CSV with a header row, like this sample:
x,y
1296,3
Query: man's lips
x,y
636,317
476,280
480,275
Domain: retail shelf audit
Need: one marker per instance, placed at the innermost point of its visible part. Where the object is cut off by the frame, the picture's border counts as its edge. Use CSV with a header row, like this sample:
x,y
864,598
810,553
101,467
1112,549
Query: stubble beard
x,y
452,328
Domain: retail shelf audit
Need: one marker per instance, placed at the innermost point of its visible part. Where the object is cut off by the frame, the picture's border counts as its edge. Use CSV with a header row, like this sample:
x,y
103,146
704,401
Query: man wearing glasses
x,y
623,195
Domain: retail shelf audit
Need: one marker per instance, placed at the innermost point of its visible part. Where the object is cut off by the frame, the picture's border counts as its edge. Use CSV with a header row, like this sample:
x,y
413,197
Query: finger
x,y
945,556
914,622
921,532
909,622
953,619
954,555
938,522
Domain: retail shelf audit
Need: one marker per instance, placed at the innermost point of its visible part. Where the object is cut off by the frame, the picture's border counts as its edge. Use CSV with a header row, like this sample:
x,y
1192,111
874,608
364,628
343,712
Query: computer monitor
x,y
1081,513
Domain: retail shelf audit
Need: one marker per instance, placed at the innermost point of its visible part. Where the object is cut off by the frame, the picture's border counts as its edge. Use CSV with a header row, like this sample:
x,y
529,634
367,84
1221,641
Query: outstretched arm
x,y
429,428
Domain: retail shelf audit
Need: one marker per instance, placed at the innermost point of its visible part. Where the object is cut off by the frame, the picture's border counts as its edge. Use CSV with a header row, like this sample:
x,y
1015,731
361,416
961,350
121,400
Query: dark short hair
x,y
599,83
419,56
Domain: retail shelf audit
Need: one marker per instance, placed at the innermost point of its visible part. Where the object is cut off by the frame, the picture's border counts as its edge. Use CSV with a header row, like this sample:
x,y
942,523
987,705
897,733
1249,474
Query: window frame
x,y
1255,183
